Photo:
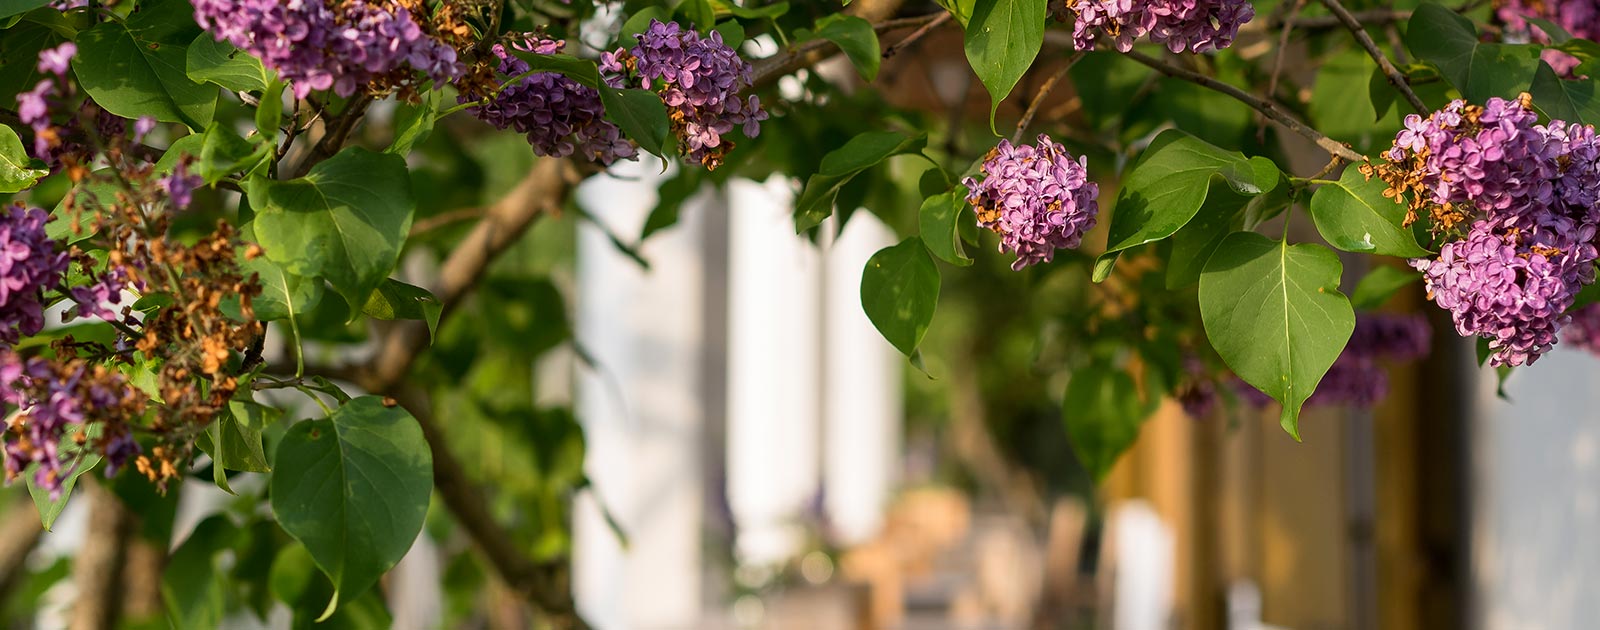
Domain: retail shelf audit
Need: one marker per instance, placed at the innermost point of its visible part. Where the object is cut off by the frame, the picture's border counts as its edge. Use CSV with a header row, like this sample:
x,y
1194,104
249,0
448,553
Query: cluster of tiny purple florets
x,y
321,45
1038,198
1182,25
1526,196
51,140
1356,378
699,79
1583,332
1580,18
559,115
30,263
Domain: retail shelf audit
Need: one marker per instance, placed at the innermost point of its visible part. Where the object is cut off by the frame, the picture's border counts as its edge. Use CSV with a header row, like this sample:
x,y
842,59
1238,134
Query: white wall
x,y
1536,521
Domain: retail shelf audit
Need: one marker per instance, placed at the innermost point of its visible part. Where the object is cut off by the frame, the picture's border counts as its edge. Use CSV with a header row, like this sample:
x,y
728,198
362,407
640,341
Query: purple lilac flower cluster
x,y
1525,195
699,79
1182,25
1038,198
322,44
1356,378
34,107
56,402
30,263
1580,18
559,115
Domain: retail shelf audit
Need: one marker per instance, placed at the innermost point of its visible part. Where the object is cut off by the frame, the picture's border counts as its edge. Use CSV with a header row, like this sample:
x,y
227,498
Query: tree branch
x,y
1268,108
1389,71
916,35
334,135
19,533
97,569
769,69
1044,91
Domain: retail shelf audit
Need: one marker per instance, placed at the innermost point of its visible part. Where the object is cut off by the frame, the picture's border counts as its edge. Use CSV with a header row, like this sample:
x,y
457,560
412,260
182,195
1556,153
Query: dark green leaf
x,y
50,507
840,165
640,114
354,490
1102,412
856,38
732,33
269,112
234,440
1574,101
192,587
776,9
1353,215
397,300
1274,313
413,123
212,61
9,8
283,295
1169,184
224,153
133,77
1479,70
17,170
1193,244
699,14
639,22
669,200
899,290
580,70
938,219
1002,39
344,221
1379,284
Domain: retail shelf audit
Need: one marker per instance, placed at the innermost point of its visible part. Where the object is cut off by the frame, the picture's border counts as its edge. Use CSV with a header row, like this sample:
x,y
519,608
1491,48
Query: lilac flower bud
x,y
30,263
180,185
1038,198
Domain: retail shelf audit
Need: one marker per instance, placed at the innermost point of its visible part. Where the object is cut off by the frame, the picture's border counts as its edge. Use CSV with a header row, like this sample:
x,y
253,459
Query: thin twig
x,y
333,136
770,69
915,35
1393,74
1044,91
1268,108
429,224
1277,60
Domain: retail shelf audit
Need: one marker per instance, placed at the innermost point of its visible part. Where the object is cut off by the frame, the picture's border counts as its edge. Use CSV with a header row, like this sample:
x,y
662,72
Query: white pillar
x,y
863,391
642,412
773,371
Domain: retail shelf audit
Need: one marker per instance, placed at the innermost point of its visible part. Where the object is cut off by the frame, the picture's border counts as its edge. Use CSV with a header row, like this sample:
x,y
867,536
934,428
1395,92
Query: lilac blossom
x,y
30,263
559,115
1181,25
320,45
1038,198
699,79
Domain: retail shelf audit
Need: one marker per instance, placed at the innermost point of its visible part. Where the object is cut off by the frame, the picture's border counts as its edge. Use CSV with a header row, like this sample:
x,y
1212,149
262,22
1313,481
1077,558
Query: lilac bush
x,y
1038,198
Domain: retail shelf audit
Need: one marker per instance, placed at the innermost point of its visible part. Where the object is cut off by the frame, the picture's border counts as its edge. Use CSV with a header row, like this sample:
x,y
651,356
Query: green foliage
x,y
1168,186
353,489
640,114
1479,70
843,164
1573,101
939,221
1353,215
1002,39
1274,313
899,290
397,300
344,221
17,170
1379,285
138,67
212,61
856,38
1103,410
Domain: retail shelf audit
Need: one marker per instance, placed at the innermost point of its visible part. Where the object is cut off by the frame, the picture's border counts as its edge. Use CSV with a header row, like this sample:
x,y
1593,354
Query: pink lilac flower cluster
x,y
56,401
1181,25
1580,18
1356,378
559,115
30,264
1583,332
1526,195
1038,198
55,141
699,79
320,44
